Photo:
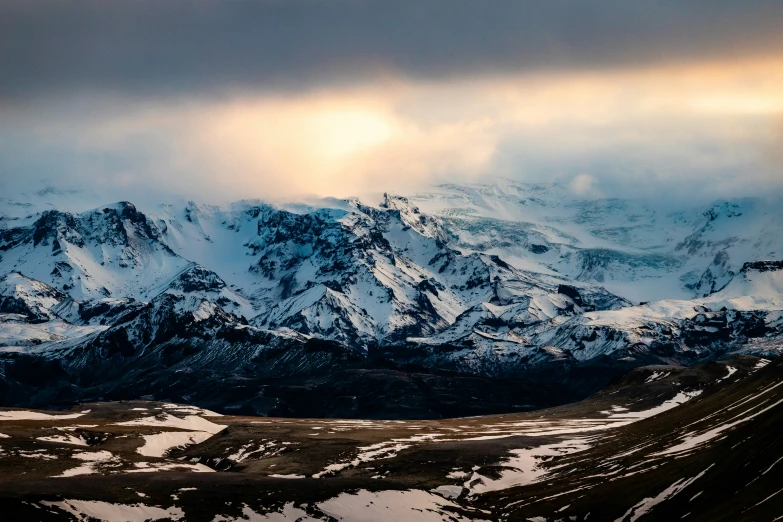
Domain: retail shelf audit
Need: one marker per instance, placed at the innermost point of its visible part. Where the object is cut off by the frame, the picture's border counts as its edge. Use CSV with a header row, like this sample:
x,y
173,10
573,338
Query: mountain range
x,y
312,307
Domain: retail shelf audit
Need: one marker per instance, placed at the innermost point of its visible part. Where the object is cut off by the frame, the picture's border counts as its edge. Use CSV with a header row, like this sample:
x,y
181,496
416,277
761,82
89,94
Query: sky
x,y
279,99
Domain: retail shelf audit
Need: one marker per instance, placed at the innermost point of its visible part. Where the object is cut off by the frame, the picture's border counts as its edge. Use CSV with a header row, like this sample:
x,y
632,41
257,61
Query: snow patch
x,y
524,467
731,370
392,506
190,422
160,444
64,439
647,504
85,510
92,462
35,415
681,398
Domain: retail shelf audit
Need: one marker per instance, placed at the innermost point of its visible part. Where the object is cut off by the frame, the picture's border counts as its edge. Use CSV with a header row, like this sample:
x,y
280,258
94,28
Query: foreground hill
x,y
660,444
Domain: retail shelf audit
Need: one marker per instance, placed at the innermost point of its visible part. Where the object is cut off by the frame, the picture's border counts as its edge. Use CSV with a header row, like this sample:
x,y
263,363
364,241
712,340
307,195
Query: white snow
x,y
190,422
656,375
159,444
524,467
35,415
761,364
693,440
288,513
92,461
615,409
18,335
36,454
391,506
680,398
150,467
187,408
448,491
265,448
731,370
381,450
96,510
64,439
646,505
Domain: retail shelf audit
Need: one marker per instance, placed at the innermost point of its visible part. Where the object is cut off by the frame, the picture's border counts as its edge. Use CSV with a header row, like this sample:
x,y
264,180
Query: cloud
x,y
202,49
583,185
777,141
336,145
701,130
275,147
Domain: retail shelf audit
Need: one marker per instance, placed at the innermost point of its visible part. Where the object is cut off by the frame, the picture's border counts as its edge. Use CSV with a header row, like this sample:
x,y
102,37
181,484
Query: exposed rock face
x,y
762,266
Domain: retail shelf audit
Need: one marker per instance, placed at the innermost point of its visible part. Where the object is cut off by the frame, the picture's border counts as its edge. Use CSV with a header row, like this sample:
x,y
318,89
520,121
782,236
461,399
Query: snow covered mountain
x,y
640,249
492,280
110,251
356,274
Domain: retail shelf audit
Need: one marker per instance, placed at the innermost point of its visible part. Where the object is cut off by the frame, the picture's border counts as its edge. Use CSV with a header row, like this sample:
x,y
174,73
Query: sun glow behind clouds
x,y
708,124
332,143
308,141
327,130
667,121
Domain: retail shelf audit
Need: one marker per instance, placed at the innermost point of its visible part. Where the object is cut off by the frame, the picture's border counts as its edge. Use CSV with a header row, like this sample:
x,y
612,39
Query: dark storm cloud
x,y
146,47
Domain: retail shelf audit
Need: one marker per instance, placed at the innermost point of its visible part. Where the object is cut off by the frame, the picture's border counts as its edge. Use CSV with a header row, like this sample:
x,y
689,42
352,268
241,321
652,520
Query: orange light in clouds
x,y
305,143
398,135
734,103
344,131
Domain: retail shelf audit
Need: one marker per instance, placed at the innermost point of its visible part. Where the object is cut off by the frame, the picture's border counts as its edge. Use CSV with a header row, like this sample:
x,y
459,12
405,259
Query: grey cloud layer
x,y
143,47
